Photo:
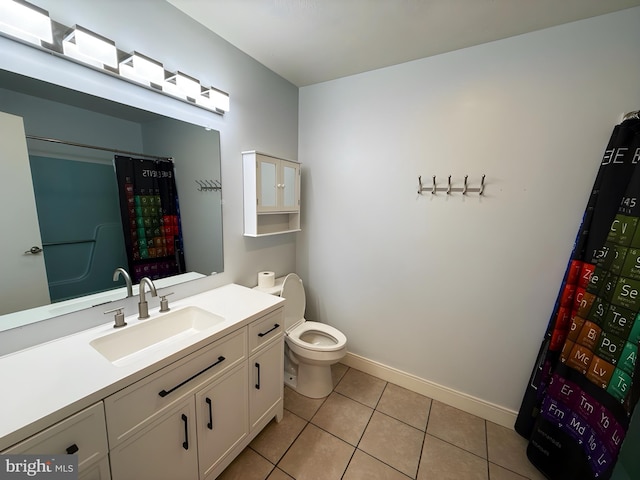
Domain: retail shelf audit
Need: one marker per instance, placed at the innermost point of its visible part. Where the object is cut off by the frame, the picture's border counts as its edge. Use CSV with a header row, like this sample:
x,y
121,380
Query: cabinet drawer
x,y
84,433
265,328
143,401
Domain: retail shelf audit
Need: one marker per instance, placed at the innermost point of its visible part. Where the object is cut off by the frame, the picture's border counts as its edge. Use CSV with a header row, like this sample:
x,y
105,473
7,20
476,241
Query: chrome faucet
x,y
143,306
121,271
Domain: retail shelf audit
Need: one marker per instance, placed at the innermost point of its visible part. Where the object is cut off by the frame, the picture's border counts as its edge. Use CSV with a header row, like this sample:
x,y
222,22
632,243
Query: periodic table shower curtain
x,y
150,215
585,384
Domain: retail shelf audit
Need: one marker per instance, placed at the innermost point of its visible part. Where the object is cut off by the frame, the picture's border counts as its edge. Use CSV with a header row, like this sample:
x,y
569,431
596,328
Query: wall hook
x,y
450,188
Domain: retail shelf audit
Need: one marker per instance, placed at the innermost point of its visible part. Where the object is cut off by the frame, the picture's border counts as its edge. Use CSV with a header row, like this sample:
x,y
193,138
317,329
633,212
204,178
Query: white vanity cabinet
x,y
184,414
83,434
162,419
190,419
266,383
271,194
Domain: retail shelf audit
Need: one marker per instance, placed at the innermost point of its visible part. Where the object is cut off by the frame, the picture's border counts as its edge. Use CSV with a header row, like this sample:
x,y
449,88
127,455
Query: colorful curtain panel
x,y
584,386
150,217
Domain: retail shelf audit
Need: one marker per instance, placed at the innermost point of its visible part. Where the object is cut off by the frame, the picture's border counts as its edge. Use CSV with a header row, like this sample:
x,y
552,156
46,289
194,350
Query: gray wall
x,y
264,107
458,290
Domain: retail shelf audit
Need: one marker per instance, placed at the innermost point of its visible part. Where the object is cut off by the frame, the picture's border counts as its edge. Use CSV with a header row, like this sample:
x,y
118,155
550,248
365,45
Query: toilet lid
x,y
293,293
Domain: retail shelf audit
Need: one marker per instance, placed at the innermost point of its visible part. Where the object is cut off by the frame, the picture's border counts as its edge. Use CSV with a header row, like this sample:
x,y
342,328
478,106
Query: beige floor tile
x,y
458,428
302,406
337,372
393,442
343,417
278,474
361,387
276,438
405,405
509,450
247,466
442,461
365,467
496,472
316,455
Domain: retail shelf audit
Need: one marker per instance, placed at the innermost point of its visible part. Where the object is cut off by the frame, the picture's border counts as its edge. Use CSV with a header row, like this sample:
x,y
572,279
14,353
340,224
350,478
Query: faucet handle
x,y
164,303
118,317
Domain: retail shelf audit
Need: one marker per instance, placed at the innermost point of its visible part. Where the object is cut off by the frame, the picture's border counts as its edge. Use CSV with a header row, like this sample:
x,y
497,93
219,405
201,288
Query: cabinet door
x,y
265,380
267,183
84,434
164,450
99,471
222,413
289,186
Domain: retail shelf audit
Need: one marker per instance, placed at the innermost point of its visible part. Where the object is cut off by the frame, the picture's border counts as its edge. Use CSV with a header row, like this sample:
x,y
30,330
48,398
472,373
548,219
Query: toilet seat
x,y
313,336
317,336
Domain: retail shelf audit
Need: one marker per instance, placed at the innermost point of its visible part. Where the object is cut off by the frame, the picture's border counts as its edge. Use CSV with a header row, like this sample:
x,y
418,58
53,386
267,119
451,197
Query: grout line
x,y
486,448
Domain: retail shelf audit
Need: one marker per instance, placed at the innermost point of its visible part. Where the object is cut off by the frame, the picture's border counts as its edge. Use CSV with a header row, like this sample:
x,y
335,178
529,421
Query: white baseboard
x,y
467,403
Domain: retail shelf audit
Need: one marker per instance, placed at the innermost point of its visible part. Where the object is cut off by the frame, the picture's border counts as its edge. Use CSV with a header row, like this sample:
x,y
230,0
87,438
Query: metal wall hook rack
x,y
209,185
448,189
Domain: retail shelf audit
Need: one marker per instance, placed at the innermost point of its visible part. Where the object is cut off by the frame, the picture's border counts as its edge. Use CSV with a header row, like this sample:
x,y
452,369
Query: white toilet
x,y
310,347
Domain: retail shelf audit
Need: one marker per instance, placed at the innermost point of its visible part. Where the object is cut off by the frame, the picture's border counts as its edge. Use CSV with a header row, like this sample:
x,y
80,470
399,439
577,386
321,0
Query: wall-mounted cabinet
x,y
271,195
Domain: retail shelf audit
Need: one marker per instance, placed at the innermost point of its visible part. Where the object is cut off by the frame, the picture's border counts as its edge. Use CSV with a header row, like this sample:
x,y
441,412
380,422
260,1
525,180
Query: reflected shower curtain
x,y
150,217
585,384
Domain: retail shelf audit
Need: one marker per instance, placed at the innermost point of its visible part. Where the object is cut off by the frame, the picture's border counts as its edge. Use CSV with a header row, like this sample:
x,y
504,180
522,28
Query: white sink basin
x,y
128,343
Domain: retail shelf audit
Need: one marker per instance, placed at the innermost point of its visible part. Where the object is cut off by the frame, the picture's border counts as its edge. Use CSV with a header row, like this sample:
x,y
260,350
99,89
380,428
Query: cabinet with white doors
x,y
271,194
190,419
266,361
83,434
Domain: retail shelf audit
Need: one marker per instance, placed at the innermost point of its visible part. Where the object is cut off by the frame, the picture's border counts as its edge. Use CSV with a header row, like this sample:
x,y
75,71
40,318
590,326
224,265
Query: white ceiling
x,y
311,41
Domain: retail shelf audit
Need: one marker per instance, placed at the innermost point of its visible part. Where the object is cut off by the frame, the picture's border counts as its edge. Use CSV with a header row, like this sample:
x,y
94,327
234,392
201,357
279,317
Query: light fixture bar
x,y
214,99
31,24
142,69
183,86
89,47
25,21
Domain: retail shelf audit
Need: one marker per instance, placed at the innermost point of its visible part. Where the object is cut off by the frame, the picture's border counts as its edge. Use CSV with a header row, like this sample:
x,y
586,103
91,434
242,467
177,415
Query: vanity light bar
x,y
25,21
183,86
142,69
28,23
91,48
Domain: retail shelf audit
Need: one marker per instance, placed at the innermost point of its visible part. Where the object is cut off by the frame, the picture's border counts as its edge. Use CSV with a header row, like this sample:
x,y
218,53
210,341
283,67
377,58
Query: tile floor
x,y
369,429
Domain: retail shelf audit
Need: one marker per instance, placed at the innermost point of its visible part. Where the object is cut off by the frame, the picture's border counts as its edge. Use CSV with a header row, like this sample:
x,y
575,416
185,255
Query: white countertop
x,y
44,384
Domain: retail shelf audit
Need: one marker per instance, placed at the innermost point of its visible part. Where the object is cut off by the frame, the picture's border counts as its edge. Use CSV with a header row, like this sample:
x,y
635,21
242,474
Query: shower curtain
x,y
585,384
150,216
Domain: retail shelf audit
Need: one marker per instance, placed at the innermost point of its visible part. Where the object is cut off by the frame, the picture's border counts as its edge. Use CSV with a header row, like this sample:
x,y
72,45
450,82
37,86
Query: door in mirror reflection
x,y
80,225
23,283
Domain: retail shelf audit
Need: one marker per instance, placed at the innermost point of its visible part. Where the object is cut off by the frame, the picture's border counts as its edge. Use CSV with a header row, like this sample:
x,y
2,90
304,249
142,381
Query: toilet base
x,y
290,380
313,381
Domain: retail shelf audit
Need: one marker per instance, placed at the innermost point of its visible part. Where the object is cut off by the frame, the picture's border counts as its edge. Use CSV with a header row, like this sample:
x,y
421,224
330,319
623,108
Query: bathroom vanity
x,y
176,396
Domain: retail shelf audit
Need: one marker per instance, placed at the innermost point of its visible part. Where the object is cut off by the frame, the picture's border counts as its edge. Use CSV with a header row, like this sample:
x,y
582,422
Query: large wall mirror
x,y
72,183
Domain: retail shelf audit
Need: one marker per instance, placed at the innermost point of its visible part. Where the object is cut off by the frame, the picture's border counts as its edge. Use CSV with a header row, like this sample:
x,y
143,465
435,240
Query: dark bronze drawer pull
x,y
275,326
164,393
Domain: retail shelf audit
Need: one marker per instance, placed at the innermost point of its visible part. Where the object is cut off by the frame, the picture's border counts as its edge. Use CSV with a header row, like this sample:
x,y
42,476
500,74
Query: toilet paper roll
x,y
266,279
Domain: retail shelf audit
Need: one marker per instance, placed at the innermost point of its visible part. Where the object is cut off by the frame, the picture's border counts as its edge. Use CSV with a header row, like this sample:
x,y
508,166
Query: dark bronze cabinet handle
x,y
164,393
268,331
210,424
72,449
185,444
258,384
